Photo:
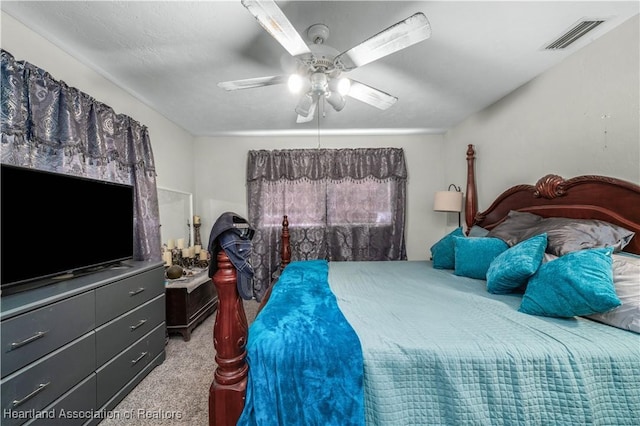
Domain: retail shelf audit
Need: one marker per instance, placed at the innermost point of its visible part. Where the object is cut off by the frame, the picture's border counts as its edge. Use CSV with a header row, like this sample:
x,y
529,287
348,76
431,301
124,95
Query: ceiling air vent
x,y
577,31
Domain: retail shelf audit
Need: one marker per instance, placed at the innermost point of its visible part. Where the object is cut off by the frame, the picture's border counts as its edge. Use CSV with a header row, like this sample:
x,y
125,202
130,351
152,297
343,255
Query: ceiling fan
x,y
320,67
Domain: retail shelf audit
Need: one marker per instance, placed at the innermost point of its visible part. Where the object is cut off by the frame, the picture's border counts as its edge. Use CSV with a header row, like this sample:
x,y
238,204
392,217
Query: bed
x,y
418,342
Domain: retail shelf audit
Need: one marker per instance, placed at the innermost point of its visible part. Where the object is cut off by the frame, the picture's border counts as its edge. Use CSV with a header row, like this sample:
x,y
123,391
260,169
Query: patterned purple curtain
x,y
342,204
48,125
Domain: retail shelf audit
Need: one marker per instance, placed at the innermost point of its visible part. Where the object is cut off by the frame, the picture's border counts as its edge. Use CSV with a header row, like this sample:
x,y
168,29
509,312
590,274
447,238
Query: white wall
x,y
581,117
172,146
220,165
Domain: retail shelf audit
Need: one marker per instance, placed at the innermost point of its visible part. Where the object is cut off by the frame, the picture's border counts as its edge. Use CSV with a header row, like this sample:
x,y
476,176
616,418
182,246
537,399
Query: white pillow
x,y
626,279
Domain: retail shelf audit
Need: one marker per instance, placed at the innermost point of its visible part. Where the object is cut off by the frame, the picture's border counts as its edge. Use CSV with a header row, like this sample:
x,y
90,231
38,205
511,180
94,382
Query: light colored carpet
x,y
176,392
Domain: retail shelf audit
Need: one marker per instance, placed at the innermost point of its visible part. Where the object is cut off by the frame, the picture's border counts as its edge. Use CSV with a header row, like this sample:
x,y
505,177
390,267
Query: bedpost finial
x,y
471,152
285,249
549,186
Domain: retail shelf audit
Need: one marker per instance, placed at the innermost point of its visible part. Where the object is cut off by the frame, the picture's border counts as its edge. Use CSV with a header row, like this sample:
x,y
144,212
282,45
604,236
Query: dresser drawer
x,y
73,408
119,297
118,334
29,336
120,370
37,385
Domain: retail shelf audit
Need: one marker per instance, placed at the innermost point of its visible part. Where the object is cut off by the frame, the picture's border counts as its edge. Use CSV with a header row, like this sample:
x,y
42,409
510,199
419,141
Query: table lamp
x,y
449,201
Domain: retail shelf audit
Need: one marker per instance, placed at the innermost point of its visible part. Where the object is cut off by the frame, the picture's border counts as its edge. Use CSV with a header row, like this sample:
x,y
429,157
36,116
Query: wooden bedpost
x,y
471,203
227,392
285,257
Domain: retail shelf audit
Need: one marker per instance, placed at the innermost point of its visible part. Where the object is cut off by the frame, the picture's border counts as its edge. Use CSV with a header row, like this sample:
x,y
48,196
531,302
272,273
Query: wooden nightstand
x,y
189,302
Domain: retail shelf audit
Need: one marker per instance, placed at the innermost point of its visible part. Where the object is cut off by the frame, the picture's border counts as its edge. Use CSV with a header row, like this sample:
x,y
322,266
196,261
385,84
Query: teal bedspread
x,y
429,348
439,350
305,360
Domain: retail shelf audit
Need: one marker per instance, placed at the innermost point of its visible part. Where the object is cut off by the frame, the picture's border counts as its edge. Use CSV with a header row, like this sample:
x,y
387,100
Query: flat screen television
x,y
57,226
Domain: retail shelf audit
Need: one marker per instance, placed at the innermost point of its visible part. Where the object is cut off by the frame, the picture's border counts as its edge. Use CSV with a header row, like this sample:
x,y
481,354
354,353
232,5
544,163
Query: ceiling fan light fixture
x,y
336,100
296,83
319,83
305,105
312,111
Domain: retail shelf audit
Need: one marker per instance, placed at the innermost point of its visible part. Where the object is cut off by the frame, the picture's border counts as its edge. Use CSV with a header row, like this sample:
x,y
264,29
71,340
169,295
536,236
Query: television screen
x,y
55,226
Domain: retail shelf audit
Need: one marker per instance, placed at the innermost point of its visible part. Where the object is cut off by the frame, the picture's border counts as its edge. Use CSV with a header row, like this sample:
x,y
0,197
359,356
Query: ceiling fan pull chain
x,y
320,111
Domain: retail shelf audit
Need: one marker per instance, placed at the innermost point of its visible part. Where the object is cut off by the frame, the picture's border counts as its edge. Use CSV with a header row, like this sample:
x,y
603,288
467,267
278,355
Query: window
x,y
320,203
366,202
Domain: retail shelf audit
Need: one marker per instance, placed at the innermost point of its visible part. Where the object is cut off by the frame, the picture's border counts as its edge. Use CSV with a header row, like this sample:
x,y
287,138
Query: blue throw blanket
x,y
305,360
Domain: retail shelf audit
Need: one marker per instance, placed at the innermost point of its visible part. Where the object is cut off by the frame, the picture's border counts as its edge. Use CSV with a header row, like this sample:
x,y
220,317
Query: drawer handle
x,y
139,324
138,291
137,360
38,335
40,388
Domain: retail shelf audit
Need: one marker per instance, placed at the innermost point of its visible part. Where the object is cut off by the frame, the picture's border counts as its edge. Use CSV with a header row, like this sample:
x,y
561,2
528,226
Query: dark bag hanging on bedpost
x,y
233,234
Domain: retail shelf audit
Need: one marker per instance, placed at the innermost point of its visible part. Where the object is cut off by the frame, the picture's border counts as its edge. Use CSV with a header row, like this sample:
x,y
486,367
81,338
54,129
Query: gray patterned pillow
x,y
514,227
564,235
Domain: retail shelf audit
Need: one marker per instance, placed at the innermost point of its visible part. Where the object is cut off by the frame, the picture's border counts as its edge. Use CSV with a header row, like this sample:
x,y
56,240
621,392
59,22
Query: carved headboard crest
x,y
582,197
550,187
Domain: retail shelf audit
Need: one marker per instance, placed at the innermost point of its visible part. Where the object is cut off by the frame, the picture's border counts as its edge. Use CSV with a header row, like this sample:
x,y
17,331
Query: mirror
x,y
176,213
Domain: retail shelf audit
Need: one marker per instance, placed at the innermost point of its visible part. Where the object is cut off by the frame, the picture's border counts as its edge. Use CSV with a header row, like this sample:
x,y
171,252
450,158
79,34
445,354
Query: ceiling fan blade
x,y
272,19
371,96
250,83
399,36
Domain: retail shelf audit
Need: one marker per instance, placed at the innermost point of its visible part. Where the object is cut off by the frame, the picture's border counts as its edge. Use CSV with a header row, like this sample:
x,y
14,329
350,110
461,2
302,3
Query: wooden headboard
x,y
583,197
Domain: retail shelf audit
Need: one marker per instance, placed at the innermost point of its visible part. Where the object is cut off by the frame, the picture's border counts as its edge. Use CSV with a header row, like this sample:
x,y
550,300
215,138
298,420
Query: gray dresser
x,y
74,349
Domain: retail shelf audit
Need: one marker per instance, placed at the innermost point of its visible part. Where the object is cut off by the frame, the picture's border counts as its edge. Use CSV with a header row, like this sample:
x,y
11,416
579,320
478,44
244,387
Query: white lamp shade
x,y
448,201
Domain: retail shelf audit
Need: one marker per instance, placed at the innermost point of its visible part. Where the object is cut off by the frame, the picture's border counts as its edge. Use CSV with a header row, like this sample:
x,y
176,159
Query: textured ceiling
x,y
172,54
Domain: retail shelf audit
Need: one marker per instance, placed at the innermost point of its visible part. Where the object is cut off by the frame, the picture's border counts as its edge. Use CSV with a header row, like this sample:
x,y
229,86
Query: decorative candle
x,y
196,220
185,252
171,244
197,248
180,243
204,255
166,256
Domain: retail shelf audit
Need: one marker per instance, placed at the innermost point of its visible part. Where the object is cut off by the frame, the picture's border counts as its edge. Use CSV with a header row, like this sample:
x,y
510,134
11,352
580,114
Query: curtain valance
x,y
47,125
332,164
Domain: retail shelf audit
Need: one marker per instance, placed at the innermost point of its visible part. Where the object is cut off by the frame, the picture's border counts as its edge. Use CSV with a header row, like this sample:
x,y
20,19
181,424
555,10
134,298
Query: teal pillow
x,y
442,252
512,268
473,255
578,283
